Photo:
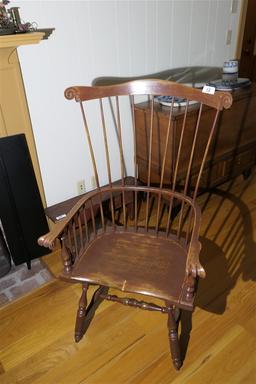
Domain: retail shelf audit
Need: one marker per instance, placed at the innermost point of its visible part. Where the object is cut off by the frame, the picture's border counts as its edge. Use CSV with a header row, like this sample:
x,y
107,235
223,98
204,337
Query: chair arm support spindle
x,y
193,267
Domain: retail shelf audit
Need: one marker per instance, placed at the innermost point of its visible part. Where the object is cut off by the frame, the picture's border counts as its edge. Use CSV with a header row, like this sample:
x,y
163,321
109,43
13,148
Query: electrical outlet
x,y
81,187
229,37
93,182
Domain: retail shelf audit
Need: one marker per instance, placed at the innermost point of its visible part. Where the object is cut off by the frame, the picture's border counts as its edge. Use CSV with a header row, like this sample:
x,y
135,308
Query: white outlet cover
x,y
81,187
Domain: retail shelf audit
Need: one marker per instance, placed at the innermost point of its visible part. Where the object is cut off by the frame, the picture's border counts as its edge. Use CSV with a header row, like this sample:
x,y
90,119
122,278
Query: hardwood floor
x,y
126,345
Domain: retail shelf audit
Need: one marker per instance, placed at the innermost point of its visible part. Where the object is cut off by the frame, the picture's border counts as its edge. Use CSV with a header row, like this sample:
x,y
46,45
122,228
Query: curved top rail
x,y
155,87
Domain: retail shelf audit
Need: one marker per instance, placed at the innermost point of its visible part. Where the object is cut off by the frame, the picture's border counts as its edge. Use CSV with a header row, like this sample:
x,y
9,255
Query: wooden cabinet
x,y
232,151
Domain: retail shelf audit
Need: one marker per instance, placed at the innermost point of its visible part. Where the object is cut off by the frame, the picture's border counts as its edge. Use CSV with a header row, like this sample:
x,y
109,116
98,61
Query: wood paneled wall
x,y
96,38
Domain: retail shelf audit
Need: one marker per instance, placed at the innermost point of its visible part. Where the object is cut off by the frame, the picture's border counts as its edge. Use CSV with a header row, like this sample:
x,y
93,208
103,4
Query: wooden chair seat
x,y
134,262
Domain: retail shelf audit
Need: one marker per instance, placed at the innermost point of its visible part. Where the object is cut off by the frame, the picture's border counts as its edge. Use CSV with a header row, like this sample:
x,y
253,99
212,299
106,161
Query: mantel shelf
x,y
15,40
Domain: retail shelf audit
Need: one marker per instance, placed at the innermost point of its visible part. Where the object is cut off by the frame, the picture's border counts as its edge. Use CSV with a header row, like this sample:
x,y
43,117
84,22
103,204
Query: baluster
x,y
185,191
85,224
102,213
136,203
80,230
135,164
205,154
66,256
120,142
178,161
74,235
103,122
176,167
149,158
93,219
67,235
202,166
87,132
163,164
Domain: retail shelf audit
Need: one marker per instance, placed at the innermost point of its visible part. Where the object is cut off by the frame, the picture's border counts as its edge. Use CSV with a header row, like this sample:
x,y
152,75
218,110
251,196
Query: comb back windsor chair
x,y
124,235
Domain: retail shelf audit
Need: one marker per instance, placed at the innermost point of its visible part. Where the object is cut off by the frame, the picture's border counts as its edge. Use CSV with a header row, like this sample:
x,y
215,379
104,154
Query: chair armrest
x,y
49,239
193,265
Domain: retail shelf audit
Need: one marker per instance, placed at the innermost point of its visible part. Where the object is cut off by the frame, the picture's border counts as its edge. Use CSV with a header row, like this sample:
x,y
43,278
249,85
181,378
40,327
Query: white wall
x,y
97,38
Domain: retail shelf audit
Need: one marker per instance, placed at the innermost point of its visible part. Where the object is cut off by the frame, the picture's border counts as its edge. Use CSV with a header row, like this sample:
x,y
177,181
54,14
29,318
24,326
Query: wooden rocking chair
x,y
139,236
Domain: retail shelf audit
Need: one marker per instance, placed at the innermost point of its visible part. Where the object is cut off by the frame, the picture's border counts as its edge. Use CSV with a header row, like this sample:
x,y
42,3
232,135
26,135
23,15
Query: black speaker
x,y
21,210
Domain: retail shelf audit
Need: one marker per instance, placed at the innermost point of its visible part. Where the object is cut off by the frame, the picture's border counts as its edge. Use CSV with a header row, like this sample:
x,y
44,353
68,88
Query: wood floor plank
x,y
234,352
25,331
96,353
135,358
160,374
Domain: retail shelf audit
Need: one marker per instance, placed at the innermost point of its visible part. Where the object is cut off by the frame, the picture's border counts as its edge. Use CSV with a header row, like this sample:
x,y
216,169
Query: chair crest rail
x,y
155,87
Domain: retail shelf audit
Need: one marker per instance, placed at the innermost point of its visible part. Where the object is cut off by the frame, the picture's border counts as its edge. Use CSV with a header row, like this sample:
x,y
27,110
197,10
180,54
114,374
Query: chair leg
x,y
85,313
81,314
173,338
